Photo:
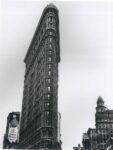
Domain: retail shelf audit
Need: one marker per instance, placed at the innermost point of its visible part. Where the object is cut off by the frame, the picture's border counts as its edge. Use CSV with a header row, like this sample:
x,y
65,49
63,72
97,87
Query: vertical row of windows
x,y
51,22
48,117
49,64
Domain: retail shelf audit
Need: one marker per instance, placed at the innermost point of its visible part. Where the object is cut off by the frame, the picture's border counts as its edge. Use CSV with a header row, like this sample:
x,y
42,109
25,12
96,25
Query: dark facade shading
x,y
11,137
110,143
39,127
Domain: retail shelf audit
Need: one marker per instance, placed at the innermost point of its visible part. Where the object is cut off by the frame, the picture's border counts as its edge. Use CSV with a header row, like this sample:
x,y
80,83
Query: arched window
x,y
49,59
49,66
49,73
48,88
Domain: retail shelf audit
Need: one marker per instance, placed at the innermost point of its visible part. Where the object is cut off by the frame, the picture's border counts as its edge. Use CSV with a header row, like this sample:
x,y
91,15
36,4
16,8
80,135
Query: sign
x,y
13,134
13,129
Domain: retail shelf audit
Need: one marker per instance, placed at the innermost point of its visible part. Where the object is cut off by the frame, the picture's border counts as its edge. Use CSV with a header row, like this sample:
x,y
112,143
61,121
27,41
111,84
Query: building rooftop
x,y
51,5
100,99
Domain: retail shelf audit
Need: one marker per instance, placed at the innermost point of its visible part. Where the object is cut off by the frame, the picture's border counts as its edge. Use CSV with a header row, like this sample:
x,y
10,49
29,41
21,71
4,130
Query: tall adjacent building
x,y
11,137
104,124
39,127
100,138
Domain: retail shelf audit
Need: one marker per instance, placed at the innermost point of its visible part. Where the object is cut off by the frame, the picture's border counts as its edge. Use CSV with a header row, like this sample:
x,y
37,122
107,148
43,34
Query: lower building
x,y
78,148
86,142
90,139
11,137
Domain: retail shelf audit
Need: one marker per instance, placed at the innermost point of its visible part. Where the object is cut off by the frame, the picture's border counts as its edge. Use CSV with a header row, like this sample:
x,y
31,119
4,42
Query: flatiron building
x,y
39,115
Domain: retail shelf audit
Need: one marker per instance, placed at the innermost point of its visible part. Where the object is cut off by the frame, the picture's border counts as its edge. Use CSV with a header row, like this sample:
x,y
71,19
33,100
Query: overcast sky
x,y
85,70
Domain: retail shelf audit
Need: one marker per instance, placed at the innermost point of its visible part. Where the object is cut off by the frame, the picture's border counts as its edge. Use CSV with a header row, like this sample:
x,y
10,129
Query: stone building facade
x,y
104,124
39,116
101,137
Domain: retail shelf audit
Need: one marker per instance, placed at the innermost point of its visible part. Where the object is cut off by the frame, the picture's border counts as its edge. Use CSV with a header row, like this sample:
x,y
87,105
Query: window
x,y
50,39
50,52
49,73
47,112
49,66
49,59
51,18
49,80
50,33
48,88
50,46
47,104
48,96
47,122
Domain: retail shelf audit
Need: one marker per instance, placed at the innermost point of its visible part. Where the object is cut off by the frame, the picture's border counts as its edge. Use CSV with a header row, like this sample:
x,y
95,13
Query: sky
x,y
85,70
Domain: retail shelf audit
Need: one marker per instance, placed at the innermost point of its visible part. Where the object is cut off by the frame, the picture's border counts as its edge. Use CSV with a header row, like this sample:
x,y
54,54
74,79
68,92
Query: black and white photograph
x,y
56,75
